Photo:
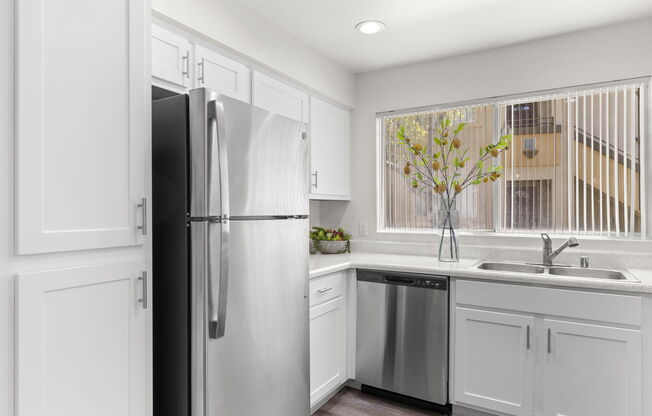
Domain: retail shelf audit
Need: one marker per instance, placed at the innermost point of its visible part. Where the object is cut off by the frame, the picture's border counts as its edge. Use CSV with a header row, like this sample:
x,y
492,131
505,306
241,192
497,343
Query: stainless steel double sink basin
x,y
568,271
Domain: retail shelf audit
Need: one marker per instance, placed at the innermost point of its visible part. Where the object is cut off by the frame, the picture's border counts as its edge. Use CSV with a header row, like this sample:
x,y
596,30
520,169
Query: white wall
x,y
604,54
239,28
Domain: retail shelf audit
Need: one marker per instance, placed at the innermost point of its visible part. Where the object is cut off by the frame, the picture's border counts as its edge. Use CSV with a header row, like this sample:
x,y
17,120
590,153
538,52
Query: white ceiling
x,y
418,30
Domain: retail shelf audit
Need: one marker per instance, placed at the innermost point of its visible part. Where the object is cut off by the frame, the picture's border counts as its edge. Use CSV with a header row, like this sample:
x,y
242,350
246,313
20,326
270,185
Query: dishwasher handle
x,y
403,280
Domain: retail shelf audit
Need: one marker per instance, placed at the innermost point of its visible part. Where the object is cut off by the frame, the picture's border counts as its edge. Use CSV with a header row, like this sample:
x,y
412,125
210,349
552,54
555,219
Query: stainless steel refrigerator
x,y
230,207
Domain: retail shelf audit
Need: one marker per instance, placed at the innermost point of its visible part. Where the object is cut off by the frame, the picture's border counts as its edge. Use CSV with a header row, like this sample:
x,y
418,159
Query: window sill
x,y
525,236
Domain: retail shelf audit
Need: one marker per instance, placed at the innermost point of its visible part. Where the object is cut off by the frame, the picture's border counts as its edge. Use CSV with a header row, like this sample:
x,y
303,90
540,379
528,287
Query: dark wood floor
x,y
351,402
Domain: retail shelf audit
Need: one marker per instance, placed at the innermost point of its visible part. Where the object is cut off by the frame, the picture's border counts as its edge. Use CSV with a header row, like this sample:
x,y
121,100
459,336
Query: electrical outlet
x,y
364,229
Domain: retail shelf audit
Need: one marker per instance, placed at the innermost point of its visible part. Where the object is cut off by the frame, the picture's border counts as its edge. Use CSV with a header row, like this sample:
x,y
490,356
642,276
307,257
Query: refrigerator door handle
x,y
217,141
220,272
218,275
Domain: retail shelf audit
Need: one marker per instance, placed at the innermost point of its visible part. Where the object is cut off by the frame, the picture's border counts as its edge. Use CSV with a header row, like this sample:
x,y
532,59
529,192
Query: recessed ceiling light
x,y
369,27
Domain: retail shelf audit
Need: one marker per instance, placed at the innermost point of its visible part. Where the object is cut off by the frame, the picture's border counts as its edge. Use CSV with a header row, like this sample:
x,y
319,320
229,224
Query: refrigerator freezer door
x,y
269,164
260,366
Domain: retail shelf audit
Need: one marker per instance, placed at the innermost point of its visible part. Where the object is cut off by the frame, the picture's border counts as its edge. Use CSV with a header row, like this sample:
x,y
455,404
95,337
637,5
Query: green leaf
x,y
476,182
459,128
437,140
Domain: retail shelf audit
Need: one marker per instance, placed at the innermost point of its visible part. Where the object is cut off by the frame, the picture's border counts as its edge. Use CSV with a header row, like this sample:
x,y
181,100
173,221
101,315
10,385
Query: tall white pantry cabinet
x,y
83,316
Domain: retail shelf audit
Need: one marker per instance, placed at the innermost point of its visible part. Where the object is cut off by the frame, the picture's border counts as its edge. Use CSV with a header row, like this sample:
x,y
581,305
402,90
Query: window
x,y
403,208
574,166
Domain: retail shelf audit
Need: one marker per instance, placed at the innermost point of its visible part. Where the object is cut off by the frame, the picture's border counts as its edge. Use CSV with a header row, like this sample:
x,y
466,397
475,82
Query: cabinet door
x,y
494,361
327,348
82,123
330,135
592,370
222,75
170,59
84,342
280,98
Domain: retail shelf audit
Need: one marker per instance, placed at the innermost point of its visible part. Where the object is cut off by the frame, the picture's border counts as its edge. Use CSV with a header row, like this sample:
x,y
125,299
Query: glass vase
x,y
448,219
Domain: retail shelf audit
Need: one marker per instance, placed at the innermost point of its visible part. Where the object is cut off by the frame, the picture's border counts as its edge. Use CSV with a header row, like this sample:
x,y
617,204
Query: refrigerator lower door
x,y
260,365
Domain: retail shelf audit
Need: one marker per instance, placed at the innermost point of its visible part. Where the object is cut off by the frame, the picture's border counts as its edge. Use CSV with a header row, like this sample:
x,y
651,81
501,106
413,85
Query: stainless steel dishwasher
x,y
402,335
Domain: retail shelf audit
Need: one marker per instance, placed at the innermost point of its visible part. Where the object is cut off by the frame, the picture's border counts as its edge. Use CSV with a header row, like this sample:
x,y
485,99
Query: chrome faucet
x,y
548,254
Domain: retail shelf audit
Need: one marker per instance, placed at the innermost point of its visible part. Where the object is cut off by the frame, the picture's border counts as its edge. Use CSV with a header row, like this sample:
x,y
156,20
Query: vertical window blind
x,y
574,166
405,209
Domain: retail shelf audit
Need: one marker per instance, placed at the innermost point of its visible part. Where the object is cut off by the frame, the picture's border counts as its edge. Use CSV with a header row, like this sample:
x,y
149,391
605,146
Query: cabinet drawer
x,y
326,288
604,307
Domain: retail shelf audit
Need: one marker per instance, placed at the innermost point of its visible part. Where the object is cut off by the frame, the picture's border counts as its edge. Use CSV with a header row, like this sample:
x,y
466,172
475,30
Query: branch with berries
x,y
439,165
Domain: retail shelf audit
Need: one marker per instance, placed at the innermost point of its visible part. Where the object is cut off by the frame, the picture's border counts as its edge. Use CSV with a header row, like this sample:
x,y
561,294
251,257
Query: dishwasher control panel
x,y
425,281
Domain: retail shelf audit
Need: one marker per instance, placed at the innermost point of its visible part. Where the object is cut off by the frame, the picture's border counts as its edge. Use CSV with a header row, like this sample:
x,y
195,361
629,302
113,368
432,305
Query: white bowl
x,y
332,247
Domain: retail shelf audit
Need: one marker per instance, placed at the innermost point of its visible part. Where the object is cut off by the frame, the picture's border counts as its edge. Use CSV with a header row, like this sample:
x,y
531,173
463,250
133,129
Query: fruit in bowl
x,y
331,241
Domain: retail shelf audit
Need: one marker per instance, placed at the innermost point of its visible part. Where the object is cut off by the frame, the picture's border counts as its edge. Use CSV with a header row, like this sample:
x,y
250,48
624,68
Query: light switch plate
x,y
364,229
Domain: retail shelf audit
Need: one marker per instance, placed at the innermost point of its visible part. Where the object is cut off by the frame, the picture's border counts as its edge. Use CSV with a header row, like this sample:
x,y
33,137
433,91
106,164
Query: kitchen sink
x,y
568,271
512,267
590,273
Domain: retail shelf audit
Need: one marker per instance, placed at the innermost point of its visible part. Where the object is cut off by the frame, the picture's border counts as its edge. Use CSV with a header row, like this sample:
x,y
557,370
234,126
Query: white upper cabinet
x,y
280,98
592,370
82,123
330,154
84,342
222,74
171,59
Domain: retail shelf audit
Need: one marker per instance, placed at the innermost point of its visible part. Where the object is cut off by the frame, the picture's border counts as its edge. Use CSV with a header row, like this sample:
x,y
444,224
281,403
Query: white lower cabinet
x,y
330,327
493,360
327,348
84,342
524,363
591,370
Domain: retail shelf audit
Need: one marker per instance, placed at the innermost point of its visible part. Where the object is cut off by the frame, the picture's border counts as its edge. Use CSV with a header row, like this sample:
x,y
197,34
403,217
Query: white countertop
x,y
321,264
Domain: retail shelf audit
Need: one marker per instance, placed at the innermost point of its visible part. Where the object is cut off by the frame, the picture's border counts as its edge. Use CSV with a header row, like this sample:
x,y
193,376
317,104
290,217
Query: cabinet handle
x,y
201,77
315,175
185,60
549,342
324,290
527,340
143,299
143,215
